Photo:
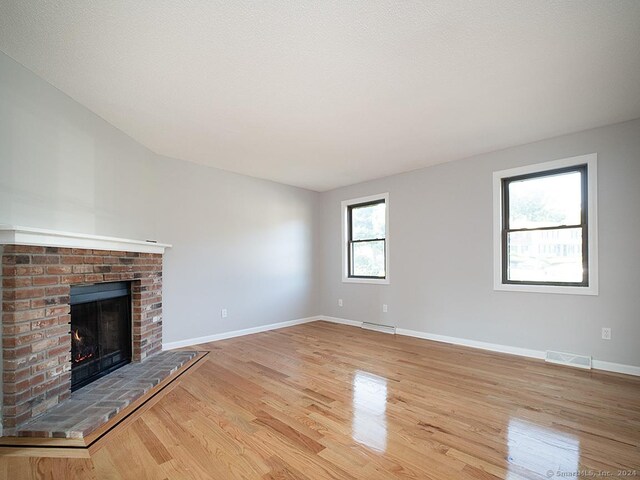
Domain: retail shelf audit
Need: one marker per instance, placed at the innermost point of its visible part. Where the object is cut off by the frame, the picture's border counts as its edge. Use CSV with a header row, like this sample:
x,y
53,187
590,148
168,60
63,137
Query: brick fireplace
x,y
36,339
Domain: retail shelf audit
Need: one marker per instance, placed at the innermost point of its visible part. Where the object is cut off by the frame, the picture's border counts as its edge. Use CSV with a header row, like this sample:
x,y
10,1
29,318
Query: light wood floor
x,y
322,401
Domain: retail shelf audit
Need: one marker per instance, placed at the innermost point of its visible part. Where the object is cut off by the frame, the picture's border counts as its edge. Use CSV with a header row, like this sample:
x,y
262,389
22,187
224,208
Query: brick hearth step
x,y
93,405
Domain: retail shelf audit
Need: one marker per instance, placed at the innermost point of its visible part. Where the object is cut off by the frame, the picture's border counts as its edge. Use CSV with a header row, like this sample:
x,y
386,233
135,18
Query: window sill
x,y
372,281
555,289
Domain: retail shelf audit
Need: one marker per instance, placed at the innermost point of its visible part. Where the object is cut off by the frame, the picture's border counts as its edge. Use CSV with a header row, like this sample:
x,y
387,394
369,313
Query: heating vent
x,y
570,359
379,328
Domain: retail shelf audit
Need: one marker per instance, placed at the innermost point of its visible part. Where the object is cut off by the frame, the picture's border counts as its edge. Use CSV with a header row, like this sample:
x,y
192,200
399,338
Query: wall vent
x,y
379,328
569,359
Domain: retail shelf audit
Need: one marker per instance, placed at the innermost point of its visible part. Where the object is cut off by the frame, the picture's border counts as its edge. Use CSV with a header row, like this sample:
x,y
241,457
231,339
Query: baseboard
x,y
522,352
341,321
236,333
492,347
616,367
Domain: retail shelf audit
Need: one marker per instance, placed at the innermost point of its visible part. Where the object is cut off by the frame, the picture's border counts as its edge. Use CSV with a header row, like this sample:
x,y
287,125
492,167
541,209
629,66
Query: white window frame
x,y
592,215
345,240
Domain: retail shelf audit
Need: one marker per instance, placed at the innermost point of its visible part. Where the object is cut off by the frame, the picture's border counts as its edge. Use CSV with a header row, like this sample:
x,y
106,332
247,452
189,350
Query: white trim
x,y
522,352
615,367
493,347
592,181
236,333
12,235
345,240
373,281
341,321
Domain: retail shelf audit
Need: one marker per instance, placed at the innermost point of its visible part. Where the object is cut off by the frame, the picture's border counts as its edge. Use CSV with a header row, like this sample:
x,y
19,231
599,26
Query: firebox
x,y
100,330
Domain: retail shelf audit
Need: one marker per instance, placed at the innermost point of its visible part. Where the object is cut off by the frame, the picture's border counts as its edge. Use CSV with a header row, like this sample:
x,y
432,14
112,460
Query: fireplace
x,y
100,330
36,313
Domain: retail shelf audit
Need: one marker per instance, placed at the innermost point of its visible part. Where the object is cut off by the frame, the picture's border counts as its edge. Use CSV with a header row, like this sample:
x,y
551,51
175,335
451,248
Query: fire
x,y
79,357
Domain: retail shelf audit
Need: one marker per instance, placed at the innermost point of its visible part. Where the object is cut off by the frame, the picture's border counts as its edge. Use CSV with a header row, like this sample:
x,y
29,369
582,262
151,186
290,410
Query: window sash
x,y
584,225
351,241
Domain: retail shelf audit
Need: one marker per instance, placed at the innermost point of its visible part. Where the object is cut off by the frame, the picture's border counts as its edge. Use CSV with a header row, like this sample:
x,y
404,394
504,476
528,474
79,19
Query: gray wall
x,y
239,242
441,254
265,250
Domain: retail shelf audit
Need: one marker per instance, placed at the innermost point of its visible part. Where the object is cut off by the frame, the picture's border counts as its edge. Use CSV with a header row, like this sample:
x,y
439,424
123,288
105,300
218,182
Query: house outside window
x,y
545,227
365,251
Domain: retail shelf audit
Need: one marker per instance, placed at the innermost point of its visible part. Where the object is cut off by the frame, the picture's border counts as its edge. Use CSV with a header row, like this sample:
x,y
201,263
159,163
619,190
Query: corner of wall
x,y
318,255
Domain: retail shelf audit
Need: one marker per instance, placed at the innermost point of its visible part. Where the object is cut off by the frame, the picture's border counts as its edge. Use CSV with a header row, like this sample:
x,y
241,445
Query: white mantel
x,y
12,235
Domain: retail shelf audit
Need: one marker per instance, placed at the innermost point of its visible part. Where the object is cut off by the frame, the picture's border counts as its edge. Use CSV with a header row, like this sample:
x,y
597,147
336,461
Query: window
x,y
366,242
546,227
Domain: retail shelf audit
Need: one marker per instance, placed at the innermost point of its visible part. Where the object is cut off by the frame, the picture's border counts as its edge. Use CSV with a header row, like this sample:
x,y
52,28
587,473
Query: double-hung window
x,y
365,236
545,232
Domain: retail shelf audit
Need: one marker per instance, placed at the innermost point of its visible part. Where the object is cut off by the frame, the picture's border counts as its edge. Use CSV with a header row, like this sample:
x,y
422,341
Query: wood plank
x,y
41,442
47,452
330,401
156,391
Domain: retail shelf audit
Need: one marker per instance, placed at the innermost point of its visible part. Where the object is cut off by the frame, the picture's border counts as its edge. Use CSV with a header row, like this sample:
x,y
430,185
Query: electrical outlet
x,y
385,308
224,313
606,333
340,302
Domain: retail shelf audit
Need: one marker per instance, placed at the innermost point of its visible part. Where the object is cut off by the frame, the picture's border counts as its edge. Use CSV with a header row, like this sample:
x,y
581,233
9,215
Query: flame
x,y
78,339
80,358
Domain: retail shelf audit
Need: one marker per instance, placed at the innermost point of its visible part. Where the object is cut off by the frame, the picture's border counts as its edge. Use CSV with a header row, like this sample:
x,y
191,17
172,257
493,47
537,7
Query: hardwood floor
x,y
322,401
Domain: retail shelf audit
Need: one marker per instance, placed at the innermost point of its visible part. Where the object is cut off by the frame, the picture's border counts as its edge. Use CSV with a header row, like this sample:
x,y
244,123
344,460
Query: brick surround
x,y
36,340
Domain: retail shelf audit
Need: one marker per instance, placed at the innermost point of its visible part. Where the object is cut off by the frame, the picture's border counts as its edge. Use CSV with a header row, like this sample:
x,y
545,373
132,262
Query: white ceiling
x,y
321,94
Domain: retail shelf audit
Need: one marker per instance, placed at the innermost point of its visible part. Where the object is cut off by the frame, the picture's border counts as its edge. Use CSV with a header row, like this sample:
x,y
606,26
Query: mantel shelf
x,y
12,235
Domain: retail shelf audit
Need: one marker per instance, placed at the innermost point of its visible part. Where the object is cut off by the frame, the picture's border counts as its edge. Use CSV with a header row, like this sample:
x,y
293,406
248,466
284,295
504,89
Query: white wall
x,y
240,243
441,254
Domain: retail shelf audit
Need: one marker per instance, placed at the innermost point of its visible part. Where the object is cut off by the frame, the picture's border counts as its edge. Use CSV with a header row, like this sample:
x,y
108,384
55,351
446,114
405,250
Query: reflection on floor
x,y
324,401
369,410
535,448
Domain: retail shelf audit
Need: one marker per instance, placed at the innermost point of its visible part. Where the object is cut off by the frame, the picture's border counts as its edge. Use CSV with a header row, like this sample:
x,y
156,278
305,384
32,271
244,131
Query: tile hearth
x,y
92,406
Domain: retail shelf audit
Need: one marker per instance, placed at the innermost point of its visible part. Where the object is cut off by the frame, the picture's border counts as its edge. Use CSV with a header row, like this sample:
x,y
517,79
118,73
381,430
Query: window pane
x,y
368,222
545,201
368,259
545,255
